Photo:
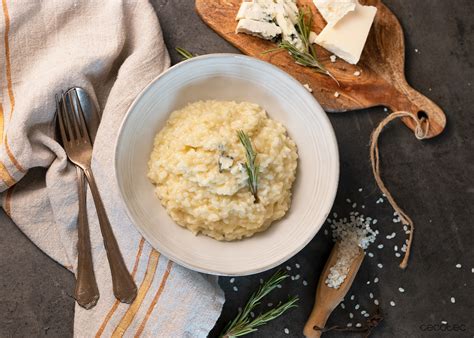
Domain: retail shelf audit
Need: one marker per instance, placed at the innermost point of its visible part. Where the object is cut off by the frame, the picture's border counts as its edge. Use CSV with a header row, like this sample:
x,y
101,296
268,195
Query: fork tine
x,y
82,121
67,119
73,115
60,116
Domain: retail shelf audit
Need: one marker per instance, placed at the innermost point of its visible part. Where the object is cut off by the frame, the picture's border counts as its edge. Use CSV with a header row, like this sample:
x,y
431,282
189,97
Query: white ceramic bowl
x,y
239,78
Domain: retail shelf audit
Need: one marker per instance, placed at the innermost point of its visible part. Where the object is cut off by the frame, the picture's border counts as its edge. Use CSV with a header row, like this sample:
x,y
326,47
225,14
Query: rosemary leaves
x,y
251,167
305,56
184,53
244,323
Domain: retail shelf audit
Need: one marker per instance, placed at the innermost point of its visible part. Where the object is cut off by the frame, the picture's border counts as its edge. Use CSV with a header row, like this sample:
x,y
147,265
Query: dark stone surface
x,y
432,180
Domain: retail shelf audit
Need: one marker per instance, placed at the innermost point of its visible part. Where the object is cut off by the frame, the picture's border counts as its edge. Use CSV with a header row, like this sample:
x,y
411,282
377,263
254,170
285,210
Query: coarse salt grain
x,y
232,280
371,295
357,307
358,325
279,286
370,254
305,283
351,315
368,282
286,331
380,246
392,303
288,268
444,322
343,306
353,234
360,189
349,324
401,290
380,265
376,302
297,266
270,304
376,280
308,88
333,58
352,297
336,94
453,300
236,288
357,73
297,277
397,254
326,232
459,266
366,314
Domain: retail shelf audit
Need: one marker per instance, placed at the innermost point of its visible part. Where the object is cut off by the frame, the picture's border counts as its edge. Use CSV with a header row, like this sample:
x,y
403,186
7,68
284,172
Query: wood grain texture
x,y
327,299
382,80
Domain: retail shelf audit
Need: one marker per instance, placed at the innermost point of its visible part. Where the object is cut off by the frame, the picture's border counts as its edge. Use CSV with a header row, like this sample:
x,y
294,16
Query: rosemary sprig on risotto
x,y
251,167
244,324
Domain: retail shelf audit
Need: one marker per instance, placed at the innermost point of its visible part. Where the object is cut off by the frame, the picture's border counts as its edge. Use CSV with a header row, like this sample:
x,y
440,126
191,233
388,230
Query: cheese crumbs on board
x,y
198,168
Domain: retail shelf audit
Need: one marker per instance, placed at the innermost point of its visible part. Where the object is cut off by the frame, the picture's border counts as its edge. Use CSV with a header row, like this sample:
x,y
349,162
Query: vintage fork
x,y
78,148
86,291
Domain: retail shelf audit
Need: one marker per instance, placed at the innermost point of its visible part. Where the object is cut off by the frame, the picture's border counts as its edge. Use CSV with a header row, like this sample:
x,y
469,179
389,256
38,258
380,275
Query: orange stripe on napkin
x,y
7,57
155,299
117,303
12,157
142,291
8,71
5,175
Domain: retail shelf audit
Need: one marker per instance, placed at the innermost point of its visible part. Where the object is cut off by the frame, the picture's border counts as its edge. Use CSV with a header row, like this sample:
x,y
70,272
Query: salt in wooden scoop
x,y
328,298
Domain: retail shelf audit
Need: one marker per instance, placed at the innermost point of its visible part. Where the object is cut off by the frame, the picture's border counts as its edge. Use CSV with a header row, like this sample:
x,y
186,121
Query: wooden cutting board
x,y
382,80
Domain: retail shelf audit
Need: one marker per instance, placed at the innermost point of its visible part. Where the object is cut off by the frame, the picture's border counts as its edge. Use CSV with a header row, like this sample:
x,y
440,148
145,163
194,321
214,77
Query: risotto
x,y
198,166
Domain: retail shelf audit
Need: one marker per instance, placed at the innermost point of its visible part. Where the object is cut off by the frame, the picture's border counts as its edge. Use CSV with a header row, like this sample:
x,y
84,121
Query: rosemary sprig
x,y
243,324
251,167
307,56
184,53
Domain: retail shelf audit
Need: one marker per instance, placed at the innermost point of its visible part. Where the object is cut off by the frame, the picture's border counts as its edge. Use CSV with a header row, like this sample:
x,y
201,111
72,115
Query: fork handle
x,y
86,291
125,289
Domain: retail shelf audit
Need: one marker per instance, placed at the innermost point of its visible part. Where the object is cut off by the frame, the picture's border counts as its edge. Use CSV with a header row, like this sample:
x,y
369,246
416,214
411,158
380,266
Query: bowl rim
x,y
169,254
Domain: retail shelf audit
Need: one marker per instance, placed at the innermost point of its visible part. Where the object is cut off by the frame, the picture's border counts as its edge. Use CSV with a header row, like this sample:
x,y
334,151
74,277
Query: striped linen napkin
x,y
111,48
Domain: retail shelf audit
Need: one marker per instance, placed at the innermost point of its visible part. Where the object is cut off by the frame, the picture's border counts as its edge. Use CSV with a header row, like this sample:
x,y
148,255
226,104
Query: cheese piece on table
x,y
253,11
334,10
347,38
264,30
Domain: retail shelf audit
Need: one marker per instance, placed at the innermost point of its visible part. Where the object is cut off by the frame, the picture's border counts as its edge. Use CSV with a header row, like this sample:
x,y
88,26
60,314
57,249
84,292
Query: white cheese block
x,y
264,30
334,10
347,38
253,11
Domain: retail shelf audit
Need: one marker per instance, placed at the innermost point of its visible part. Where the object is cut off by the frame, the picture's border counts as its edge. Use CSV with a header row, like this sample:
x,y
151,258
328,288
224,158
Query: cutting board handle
x,y
405,98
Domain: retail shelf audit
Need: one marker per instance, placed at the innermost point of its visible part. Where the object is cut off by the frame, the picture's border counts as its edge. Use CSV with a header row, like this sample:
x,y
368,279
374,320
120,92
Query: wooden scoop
x,y
382,78
328,298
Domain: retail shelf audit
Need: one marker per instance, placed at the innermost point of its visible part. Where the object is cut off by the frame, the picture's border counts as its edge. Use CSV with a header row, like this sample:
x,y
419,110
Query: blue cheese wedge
x,y
264,30
347,37
288,29
334,10
268,19
254,11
